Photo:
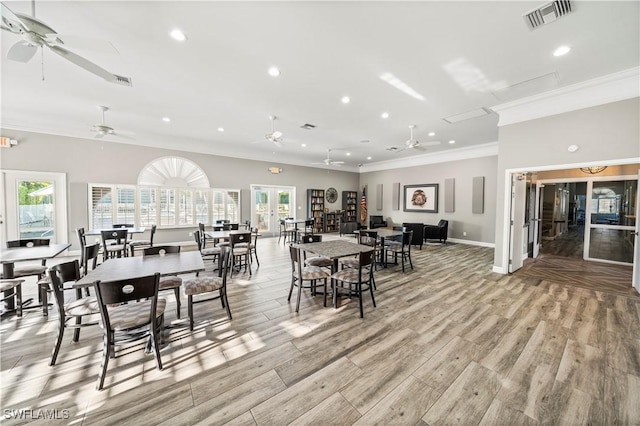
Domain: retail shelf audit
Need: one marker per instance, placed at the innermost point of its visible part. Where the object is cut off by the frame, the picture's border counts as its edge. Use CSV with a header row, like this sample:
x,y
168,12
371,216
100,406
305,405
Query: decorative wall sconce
x,y
593,170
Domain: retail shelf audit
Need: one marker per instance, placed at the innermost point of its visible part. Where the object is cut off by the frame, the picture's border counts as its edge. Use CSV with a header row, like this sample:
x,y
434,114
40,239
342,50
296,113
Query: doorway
x,y
563,207
35,206
269,204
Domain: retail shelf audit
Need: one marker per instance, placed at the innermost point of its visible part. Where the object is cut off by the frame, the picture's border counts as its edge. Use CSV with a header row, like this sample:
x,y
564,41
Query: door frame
x,y
635,280
274,189
9,179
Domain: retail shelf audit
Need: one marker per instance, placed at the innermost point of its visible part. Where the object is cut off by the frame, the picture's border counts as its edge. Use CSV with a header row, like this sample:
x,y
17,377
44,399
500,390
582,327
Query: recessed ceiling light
x,y
304,145
178,35
432,133
562,50
221,129
348,153
573,148
368,158
345,100
452,141
274,72
166,119
385,115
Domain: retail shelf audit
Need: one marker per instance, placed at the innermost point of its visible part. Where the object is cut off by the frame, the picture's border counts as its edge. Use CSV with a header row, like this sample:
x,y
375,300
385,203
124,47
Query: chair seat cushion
x,y
170,282
312,273
211,251
240,251
350,275
352,262
140,243
9,284
80,307
223,244
23,271
132,315
115,247
239,245
318,261
202,285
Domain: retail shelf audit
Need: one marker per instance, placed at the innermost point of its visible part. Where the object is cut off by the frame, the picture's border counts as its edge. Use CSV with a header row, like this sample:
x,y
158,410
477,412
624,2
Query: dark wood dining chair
x,y
21,271
60,276
129,305
301,273
142,244
362,278
401,248
240,251
210,253
320,261
13,290
210,284
170,282
114,243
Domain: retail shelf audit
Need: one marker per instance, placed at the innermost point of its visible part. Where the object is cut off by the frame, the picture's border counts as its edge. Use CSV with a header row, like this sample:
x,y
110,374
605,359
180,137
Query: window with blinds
x,y
162,206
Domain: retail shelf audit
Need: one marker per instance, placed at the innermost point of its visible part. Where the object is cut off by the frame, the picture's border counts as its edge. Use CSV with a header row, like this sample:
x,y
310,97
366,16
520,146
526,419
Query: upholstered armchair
x,y
377,222
437,232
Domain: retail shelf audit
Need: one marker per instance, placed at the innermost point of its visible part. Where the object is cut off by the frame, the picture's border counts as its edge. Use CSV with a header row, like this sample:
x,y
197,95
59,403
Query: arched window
x,y
174,172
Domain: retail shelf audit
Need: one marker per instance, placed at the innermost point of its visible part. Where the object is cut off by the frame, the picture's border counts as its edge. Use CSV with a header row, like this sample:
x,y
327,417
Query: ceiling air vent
x,y
308,126
547,13
125,81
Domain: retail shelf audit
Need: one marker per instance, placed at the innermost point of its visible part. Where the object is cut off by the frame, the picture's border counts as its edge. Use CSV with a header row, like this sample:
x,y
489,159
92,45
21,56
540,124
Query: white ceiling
x,y
457,55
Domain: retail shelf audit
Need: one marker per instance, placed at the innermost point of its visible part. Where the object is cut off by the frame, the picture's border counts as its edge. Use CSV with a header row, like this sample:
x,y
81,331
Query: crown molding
x,y
475,151
598,91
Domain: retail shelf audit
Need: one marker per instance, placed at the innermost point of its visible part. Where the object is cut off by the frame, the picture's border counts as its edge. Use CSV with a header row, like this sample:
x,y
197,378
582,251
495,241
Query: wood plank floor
x,y
449,343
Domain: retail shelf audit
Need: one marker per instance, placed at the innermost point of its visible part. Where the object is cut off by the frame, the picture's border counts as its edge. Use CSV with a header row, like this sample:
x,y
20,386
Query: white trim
x,y
499,270
475,151
598,91
472,243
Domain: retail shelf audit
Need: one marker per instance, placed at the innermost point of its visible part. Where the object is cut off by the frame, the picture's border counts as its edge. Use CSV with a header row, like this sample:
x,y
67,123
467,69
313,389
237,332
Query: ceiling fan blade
x,y
336,162
10,21
431,143
75,42
86,64
22,51
419,148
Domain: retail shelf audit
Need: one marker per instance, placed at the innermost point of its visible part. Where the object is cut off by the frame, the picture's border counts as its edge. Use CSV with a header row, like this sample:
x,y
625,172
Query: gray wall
x,y
479,227
607,132
94,161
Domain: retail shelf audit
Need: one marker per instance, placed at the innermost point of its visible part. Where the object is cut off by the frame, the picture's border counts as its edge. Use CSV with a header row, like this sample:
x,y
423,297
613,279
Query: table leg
x,y
8,305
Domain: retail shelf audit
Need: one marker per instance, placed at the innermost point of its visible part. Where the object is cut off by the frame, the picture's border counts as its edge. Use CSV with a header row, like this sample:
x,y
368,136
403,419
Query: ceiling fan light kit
x,y
594,170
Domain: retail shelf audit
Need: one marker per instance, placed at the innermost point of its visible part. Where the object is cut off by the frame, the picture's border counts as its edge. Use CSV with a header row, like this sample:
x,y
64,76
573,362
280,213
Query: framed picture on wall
x,y
421,198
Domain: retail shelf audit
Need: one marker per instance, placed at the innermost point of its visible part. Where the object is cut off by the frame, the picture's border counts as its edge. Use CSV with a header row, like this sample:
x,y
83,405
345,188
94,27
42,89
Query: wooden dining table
x,y
9,256
134,230
123,268
334,250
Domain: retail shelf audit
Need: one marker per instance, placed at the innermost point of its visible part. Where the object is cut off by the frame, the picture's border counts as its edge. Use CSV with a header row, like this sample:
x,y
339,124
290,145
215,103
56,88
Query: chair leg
x,y
190,311
76,332
373,299
155,342
18,291
257,260
44,299
299,294
325,292
106,352
56,348
226,304
176,291
290,290
359,291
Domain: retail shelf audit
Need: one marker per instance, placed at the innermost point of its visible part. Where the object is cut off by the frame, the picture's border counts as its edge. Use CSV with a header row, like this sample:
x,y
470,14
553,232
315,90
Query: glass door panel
x,y
613,220
269,204
36,209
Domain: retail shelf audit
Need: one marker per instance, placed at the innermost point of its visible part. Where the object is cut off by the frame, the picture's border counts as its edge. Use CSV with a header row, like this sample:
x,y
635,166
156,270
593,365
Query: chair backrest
x,y
240,237
296,264
153,233
29,242
60,274
226,226
117,235
197,237
221,221
407,236
234,226
308,223
443,223
224,263
366,258
254,237
90,255
122,291
160,250
201,228
368,238
315,238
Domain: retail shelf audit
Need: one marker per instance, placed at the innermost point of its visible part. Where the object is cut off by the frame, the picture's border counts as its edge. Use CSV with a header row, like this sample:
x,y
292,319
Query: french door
x,y
35,206
269,204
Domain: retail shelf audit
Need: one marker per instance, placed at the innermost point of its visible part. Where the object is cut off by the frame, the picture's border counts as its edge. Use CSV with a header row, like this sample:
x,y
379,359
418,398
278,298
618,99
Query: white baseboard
x,y
499,270
472,243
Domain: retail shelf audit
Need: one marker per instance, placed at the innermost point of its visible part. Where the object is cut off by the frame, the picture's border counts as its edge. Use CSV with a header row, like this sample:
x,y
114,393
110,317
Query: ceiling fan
x,y
101,130
413,143
275,135
328,161
36,33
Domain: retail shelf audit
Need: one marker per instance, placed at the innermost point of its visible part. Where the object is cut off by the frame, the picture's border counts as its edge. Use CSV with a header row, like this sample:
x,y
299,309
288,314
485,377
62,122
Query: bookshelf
x,y
331,223
315,208
350,206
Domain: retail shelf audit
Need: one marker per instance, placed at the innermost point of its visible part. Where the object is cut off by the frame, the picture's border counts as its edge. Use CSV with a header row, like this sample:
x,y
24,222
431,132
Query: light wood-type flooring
x,y
450,342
